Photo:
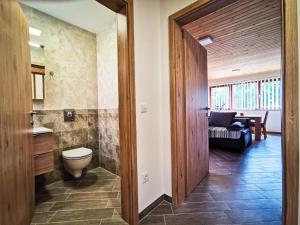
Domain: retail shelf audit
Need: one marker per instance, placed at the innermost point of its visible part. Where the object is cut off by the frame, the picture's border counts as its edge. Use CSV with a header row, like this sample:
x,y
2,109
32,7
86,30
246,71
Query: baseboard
x,y
273,132
154,204
168,198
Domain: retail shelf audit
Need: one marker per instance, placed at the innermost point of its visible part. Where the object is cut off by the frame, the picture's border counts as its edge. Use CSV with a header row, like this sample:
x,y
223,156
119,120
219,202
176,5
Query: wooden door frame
x,y
127,116
290,108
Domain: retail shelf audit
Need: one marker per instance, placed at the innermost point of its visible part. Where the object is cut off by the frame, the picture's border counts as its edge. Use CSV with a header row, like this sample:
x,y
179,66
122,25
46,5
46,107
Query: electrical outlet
x,y
146,177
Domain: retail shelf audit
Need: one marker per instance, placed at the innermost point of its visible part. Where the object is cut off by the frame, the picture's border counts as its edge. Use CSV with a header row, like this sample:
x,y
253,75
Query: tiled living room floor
x,y
93,199
242,188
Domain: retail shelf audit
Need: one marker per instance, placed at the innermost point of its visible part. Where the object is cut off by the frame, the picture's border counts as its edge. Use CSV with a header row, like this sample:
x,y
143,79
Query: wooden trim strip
x,y
290,121
127,116
199,9
37,69
114,5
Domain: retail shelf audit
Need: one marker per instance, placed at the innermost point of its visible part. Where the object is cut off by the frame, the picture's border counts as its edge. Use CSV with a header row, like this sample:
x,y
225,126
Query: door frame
x,y
127,116
290,108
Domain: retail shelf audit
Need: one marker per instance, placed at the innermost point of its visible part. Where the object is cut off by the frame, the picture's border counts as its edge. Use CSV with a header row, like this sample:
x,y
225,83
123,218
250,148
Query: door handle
x,y
33,113
205,108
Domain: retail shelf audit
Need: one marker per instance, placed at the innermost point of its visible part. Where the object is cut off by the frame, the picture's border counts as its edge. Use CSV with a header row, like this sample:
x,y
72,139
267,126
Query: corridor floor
x,y
241,189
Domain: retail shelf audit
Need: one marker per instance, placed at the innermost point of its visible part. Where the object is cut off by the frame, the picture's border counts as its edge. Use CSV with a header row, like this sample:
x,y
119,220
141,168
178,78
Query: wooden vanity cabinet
x,y
43,153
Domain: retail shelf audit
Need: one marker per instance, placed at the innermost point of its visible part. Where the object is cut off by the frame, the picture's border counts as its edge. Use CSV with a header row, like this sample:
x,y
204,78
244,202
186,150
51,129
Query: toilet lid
x,y
77,153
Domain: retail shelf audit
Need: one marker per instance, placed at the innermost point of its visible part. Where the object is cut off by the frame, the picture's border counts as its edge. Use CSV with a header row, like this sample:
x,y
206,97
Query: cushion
x,y
223,132
221,119
236,126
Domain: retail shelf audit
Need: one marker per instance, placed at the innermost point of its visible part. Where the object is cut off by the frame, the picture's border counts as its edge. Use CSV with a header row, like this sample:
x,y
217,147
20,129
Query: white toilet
x,y
75,160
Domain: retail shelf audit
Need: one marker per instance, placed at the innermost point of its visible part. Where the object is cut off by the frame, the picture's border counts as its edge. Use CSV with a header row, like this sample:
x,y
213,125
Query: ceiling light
x,y
236,70
35,31
34,45
205,41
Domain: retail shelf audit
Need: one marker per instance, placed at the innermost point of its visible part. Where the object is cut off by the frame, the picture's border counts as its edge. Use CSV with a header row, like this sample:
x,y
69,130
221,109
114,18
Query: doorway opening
x,y
86,99
261,160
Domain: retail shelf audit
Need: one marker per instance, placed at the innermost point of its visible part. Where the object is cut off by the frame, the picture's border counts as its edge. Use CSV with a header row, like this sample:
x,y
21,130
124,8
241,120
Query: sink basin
x,y
41,130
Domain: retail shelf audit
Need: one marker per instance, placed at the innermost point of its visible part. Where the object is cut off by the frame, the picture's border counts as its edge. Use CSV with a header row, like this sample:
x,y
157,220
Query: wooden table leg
x,y
257,129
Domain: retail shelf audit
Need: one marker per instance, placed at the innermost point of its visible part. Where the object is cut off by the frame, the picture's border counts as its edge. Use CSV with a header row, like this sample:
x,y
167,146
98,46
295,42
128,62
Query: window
x,y
260,94
270,93
220,97
245,95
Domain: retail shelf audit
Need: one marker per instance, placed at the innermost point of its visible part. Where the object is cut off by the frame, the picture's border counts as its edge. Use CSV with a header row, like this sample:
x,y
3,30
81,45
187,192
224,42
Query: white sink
x,y
41,130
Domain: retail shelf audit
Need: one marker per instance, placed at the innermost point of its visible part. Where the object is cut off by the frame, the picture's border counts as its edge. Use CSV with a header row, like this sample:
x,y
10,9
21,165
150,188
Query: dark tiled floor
x,y
93,199
242,188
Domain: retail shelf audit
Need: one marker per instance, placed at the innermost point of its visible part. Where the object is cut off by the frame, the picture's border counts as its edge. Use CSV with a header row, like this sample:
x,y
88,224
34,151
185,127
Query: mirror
x,y
38,82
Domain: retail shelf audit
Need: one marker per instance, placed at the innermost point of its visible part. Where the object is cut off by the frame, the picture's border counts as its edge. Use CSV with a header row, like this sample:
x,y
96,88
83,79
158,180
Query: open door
x,y
16,154
196,103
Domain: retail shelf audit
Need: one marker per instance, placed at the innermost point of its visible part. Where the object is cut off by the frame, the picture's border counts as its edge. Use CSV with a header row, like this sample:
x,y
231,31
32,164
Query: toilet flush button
x,y
144,108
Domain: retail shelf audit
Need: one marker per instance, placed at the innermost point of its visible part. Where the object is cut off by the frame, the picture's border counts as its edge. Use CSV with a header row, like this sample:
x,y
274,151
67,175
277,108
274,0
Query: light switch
x,y
144,108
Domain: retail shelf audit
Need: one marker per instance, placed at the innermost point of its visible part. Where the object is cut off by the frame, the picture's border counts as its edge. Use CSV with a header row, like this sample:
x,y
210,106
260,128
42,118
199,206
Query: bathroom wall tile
x,y
109,139
93,134
71,87
75,69
93,118
74,138
69,135
75,85
110,164
107,61
81,118
49,118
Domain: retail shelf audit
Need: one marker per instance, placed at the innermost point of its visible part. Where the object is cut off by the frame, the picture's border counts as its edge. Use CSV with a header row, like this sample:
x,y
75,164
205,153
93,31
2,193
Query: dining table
x,y
257,124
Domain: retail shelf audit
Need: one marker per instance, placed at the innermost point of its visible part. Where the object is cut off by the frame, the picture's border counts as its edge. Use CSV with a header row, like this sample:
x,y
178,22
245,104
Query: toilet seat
x,y
77,153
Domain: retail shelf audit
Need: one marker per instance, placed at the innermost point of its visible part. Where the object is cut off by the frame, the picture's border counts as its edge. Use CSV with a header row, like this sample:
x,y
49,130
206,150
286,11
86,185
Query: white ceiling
x,y
86,14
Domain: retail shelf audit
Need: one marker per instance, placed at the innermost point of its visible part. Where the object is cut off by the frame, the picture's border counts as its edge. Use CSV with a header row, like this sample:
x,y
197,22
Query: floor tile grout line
x,y
52,217
71,221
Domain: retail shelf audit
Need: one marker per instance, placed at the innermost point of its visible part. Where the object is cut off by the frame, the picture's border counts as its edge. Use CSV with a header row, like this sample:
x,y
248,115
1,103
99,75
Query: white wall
x,y
152,89
273,121
147,72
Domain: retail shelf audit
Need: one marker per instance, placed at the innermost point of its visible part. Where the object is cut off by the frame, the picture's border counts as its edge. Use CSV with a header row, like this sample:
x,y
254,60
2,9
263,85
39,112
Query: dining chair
x,y
263,124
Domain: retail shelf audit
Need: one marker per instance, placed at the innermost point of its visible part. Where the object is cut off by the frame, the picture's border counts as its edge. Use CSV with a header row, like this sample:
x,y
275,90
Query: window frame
x,y
230,85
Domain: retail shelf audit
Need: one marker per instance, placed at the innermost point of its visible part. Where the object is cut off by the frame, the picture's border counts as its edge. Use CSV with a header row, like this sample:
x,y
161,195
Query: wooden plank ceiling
x,y
246,36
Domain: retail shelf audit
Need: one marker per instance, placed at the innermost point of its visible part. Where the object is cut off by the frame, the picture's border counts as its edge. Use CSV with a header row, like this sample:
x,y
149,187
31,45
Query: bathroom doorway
x,y
80,96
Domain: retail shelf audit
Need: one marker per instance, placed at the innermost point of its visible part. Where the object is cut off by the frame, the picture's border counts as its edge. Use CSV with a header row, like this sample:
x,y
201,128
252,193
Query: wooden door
x,y
16,154
196,97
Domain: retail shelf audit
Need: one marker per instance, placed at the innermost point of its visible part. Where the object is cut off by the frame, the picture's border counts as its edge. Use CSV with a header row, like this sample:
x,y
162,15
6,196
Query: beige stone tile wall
x,y
81,62
108,98
70,53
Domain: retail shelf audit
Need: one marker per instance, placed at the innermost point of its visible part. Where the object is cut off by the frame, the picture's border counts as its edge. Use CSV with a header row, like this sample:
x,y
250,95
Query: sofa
x,y
227,132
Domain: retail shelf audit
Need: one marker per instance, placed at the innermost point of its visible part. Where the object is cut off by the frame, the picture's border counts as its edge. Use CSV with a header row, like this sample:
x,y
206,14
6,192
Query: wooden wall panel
x,y
196,103
16,151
